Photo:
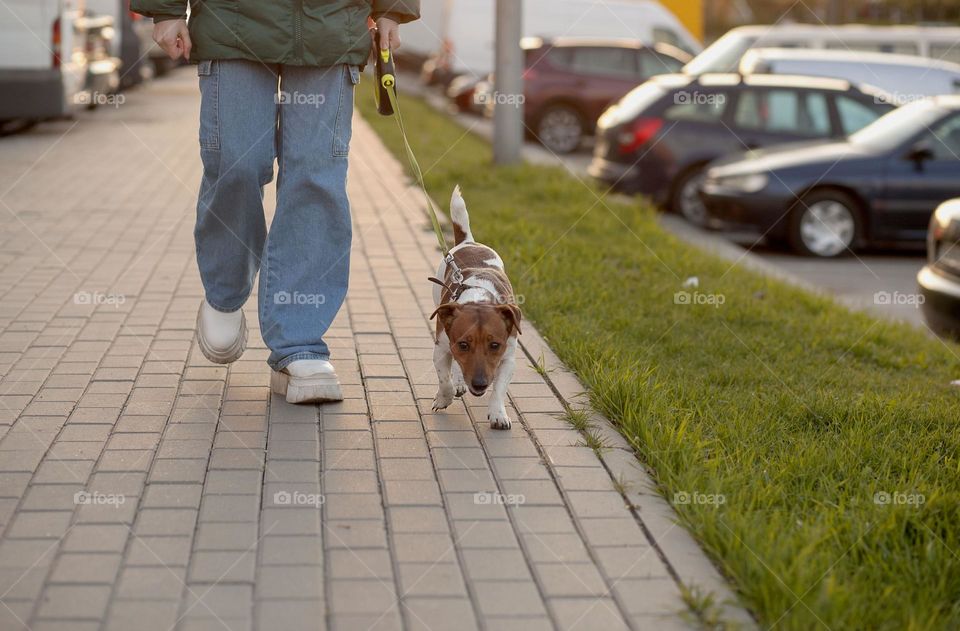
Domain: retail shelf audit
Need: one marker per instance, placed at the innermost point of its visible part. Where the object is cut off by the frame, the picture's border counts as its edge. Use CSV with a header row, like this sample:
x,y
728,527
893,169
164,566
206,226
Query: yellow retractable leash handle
x,y
386,78
385,95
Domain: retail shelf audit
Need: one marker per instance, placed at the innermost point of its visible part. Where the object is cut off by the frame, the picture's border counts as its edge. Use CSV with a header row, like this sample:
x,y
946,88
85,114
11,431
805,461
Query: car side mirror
x,y
919,153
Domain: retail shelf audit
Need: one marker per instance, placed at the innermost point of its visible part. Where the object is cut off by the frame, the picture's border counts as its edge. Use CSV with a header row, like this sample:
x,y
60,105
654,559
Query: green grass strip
x,y
802,415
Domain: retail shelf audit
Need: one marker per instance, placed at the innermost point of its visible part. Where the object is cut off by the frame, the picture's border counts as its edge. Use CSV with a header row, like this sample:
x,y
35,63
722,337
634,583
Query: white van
x,y
43,63
463,30
906,78
935,42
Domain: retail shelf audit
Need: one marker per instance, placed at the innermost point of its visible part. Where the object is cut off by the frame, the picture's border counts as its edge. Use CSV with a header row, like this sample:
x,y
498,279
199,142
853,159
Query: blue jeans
x,y
251,114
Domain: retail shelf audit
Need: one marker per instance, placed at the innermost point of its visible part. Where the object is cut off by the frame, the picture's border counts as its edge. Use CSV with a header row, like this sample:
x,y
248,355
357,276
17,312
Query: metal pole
x,y
508,83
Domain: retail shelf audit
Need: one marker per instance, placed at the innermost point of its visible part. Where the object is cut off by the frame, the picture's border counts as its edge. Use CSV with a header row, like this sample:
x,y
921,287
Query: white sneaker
x,y
222,337
307,381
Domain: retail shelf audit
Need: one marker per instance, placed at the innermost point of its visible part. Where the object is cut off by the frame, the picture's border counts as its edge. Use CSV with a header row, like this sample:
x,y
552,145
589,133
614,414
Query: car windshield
x,y
890,131
721,56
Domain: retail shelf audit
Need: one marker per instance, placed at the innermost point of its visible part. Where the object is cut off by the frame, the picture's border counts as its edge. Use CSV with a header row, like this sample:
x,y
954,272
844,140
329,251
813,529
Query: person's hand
x,y
173,37
389,34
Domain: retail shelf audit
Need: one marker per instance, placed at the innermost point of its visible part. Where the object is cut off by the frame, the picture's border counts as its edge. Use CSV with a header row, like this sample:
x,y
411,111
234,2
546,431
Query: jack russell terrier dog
x,y
478,322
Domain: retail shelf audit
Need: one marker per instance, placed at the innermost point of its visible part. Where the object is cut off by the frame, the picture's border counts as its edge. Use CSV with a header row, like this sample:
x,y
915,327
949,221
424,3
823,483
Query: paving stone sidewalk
x,y
142,487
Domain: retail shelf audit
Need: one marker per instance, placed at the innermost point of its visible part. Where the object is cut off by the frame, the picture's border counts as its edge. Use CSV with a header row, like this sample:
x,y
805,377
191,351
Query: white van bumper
x,y
31,94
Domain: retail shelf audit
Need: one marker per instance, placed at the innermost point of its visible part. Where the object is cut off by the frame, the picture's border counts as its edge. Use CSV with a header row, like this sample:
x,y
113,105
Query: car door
x,y
697,123
602,75
764,116
920,176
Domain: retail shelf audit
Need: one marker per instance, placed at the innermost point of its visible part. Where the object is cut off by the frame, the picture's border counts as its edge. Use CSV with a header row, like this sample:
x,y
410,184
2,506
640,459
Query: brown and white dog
x,y
478,322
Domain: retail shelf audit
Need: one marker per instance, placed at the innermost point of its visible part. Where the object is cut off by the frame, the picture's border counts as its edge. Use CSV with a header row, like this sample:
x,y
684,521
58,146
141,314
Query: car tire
x,y
16,126
560,128
777,242
825,224
685,199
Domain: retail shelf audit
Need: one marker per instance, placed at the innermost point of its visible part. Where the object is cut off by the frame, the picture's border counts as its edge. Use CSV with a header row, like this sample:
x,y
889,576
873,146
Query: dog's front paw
x,y
442,401
498,419
459,385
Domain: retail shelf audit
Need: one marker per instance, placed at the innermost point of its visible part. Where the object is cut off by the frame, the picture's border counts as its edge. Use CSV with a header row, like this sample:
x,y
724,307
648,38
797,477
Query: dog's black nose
x,y
478,384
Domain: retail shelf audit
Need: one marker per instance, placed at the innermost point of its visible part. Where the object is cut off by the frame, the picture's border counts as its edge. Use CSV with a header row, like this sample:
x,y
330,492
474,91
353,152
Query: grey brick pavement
x,y
142,487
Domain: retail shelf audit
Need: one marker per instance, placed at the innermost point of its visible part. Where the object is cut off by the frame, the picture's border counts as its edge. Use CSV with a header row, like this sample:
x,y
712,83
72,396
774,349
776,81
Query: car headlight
x,y
943,232
749,183
941,250
934,233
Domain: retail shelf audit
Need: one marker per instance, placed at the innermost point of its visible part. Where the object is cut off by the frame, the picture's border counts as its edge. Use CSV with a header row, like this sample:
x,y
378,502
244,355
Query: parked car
x,y
470,94
460,35
126,44
103,69
569,82
934,42
824,199
939,280
45,69
659,138
906,77
149,50
436,71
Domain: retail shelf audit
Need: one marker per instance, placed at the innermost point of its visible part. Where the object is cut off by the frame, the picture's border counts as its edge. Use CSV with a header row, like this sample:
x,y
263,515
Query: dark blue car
x,y
659,139
825,198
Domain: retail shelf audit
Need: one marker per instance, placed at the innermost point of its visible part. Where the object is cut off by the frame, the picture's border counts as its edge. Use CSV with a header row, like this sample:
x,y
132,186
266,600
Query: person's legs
x,y
238,129
306,262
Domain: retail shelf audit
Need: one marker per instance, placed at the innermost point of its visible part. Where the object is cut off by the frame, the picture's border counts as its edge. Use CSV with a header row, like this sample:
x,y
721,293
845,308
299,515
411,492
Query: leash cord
x,y
389,84
415,166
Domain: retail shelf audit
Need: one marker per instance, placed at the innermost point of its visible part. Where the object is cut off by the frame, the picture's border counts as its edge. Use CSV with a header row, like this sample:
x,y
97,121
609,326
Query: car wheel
x,y
560,128
825,224
686,197
777,242
15,126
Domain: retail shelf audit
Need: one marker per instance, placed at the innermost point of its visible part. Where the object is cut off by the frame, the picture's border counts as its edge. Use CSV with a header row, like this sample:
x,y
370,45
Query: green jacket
x,y
295,32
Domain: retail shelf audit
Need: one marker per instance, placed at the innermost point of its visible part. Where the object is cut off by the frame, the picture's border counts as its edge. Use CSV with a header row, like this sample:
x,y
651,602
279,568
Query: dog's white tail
x,y
460,218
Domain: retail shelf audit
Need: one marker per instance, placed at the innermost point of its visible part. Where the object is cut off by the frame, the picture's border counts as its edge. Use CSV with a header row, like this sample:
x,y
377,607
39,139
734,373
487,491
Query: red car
x,y
568,83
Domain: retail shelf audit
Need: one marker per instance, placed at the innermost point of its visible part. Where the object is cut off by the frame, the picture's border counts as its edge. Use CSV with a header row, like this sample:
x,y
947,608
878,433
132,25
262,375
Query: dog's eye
x,y
494,345
463,346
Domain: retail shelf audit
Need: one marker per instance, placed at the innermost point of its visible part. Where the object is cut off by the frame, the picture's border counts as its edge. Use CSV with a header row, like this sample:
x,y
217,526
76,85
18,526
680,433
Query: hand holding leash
x,y
389,34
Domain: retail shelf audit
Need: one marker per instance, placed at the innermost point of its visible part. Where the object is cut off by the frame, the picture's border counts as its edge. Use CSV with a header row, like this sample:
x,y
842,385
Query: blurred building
x,y
690,13
721,15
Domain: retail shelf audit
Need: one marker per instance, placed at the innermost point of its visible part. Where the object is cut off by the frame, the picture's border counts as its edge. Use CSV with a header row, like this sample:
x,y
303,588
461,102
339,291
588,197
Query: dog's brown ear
x,y
511,313
445,313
